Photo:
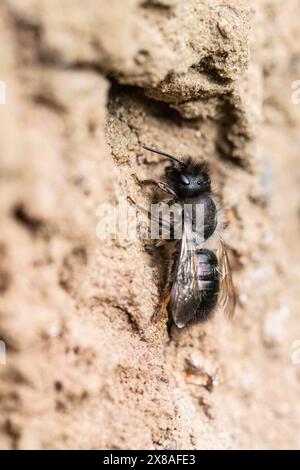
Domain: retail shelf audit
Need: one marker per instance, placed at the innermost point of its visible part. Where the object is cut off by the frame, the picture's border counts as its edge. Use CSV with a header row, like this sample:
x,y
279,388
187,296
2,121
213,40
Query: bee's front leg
x,y
151,217
161,185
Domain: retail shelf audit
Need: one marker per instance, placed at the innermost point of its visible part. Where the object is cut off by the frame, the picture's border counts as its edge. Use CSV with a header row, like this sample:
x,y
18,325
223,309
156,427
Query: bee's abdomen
x,y
209,283
195,303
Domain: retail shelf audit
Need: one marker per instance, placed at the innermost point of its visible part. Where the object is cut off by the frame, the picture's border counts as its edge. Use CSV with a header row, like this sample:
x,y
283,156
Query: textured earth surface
x,y
86,86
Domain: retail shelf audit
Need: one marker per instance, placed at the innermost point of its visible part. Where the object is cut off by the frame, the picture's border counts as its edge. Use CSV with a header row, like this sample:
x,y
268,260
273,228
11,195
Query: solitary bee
x,y
200,275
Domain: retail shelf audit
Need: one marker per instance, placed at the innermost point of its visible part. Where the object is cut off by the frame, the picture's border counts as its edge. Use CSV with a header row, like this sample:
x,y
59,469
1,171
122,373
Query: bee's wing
x,y
185,289
227,295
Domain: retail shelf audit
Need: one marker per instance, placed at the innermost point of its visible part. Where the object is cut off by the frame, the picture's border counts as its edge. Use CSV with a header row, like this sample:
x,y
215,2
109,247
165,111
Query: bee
x,y
200,275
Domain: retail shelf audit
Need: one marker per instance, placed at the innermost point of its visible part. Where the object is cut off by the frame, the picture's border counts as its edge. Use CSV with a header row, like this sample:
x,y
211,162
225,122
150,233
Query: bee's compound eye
x,y
184,180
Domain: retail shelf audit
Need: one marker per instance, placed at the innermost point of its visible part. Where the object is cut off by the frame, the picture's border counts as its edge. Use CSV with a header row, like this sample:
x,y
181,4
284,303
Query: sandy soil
x,y
86,86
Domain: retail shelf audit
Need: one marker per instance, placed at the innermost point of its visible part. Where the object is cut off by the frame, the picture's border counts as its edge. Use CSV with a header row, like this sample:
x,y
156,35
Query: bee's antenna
x,y
150,149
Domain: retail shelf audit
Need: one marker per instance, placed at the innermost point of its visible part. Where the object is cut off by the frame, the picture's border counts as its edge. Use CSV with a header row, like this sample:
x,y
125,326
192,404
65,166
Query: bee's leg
x,y
160,184
162,223
151,217
162,242
161,313
149,247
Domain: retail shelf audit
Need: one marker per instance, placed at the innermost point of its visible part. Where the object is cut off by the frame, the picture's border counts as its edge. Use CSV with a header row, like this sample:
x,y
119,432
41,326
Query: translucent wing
x,y
185,294
227,297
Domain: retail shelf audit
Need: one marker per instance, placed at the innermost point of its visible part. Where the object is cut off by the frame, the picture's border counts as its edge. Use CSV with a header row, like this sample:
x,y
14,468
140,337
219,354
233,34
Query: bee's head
x,y
187,178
